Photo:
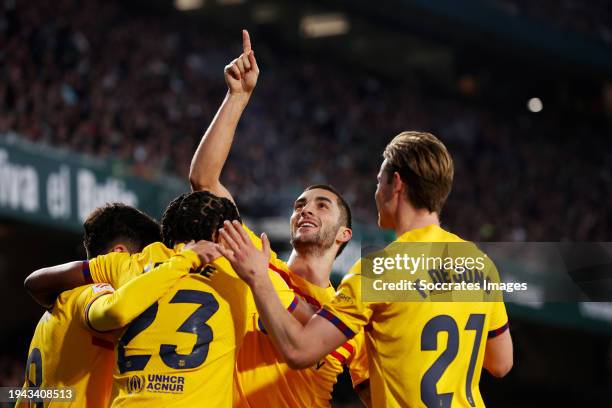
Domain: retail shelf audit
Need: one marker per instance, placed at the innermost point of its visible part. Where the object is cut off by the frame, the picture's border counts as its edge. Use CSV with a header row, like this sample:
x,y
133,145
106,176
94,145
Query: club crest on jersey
x,y
102,287
135,384
150,266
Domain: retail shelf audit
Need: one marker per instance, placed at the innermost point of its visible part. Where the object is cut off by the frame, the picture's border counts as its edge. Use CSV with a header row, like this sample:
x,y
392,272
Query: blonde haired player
x,y
421,353
320,229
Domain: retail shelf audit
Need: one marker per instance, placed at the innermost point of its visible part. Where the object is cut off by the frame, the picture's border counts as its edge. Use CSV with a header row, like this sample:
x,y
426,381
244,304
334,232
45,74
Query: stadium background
x,y
106,100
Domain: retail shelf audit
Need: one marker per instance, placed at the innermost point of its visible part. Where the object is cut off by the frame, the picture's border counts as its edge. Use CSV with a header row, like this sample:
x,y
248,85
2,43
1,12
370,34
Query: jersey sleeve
x,y
359,364
111,268
353,355
132,299
286,295
499,320
87,297
346,310
284,292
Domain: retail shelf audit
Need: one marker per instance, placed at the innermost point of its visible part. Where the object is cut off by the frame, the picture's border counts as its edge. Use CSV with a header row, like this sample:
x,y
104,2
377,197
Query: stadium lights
x,y
265,13
324,25
186,5
535,105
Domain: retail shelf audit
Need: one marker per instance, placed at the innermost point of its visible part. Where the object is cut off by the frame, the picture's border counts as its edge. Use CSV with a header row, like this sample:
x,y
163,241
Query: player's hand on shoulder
x,y
206,250
248,261
241,74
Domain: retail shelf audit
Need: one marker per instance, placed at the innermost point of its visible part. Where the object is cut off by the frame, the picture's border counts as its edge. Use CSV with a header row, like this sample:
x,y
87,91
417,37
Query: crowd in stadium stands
x,y
139,92
590,18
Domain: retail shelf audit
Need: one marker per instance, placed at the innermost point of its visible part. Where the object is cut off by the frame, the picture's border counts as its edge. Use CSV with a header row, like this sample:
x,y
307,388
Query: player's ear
x,y
397,182
344,234
120,248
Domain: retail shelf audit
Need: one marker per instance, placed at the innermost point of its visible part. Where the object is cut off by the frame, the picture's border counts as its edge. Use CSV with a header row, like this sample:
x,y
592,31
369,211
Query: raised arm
x,y
210,156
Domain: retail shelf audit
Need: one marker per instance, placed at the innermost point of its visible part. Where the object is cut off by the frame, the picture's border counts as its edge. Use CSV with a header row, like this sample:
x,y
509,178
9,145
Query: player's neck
x,y
314,267
408,218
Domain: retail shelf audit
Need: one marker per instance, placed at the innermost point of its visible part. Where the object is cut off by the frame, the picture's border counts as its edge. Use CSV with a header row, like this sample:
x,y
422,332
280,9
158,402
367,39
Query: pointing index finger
x,y
246,42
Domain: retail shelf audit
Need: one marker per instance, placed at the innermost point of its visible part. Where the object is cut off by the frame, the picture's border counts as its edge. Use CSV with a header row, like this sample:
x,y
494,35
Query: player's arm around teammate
x,y
115,310
301,346
45,284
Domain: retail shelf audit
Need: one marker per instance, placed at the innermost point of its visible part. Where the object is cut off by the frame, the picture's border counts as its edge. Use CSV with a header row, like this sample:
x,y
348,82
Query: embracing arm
x,y
241,77
301,346
303,312
117,309
45,284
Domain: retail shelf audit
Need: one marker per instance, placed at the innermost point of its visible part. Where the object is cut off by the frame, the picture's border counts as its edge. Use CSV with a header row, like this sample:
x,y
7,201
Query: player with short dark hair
x,y
345,219
70,346
118,223
345,210
320,228
408,365
181,350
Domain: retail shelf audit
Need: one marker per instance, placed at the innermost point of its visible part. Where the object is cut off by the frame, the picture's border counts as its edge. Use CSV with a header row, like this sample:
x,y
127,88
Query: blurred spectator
x,y
592,18
139,91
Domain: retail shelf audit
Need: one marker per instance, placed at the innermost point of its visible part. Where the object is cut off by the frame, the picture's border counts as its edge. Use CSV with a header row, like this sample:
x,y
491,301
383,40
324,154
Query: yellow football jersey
x,y
421,353
181,350
64,352
264,380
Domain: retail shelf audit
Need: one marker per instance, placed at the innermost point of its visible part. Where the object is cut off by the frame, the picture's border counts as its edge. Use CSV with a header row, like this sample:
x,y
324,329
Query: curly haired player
x,y
181,350
196,216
